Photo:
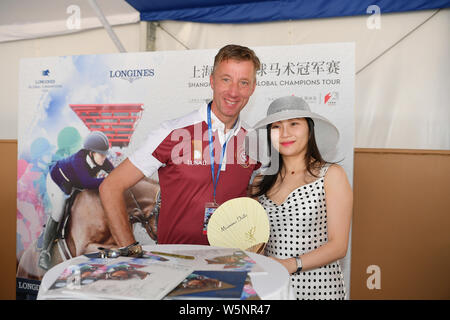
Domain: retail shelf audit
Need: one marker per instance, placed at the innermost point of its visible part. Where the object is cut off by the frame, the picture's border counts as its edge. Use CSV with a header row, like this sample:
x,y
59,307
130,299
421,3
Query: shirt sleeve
x,y
152,154
160,143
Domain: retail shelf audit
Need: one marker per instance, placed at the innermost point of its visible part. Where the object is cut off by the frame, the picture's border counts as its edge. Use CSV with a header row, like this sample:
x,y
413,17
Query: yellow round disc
x,y
238,223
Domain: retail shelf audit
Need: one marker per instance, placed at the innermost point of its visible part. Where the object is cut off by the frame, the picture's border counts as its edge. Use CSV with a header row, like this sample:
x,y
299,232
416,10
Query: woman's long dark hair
x,y
313,161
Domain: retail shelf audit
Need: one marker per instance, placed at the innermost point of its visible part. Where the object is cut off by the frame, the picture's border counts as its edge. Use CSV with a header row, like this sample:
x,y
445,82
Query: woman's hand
x,y
290,264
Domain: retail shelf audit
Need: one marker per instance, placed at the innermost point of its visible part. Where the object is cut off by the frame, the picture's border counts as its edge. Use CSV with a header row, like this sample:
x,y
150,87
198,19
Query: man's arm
x,y
112,191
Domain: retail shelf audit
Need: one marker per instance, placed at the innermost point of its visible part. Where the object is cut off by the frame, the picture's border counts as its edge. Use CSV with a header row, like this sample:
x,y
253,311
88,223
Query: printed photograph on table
x,y
199,283
225,259
116,280
212,285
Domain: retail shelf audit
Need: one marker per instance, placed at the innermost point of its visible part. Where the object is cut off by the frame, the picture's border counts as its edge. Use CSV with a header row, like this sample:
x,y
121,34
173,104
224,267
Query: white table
x,y
272,285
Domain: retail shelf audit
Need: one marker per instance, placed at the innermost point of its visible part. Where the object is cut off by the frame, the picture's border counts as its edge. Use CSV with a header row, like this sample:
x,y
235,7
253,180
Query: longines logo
x,y
44,81
131,74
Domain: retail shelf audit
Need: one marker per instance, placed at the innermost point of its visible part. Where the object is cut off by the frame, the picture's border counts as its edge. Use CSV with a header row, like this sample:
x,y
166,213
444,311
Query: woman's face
x,y
99,158
290,137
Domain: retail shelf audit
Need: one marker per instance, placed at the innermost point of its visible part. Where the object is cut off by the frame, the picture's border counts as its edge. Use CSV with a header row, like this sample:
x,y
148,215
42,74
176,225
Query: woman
x,y
308,200
78,171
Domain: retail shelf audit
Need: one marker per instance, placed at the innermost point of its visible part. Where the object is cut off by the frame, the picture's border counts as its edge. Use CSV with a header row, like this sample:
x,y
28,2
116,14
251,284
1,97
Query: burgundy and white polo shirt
x,y
179,150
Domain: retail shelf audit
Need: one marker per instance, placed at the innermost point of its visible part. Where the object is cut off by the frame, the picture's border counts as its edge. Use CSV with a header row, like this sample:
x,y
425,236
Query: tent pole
x,y
151,35
106,25
397,42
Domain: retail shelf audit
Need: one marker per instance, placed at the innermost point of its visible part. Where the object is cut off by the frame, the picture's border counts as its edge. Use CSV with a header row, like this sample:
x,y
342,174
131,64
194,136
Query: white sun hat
x,y
291,107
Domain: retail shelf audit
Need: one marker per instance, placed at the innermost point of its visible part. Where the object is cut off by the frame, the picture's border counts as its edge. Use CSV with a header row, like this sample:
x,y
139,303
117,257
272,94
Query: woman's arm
x,y
339,202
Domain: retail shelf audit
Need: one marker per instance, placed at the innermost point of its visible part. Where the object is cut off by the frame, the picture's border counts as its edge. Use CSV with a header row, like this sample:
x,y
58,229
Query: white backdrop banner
x,y
62,99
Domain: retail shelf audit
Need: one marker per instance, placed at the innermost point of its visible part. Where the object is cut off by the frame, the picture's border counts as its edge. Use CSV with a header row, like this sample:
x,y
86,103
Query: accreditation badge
x,y
210,207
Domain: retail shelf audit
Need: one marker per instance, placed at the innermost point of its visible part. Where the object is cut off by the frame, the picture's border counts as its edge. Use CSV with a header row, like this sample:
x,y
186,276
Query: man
x,y
181,149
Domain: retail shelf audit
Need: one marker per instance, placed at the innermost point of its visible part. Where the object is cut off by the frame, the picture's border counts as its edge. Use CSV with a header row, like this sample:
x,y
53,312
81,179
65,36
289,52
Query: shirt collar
x,y
90,162
217,124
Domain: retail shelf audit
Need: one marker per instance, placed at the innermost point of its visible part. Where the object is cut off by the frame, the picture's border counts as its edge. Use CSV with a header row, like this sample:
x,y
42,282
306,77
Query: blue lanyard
x,y
211,153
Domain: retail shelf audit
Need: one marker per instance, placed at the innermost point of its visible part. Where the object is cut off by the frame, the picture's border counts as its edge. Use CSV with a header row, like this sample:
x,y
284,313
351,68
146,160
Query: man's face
x,y
233,82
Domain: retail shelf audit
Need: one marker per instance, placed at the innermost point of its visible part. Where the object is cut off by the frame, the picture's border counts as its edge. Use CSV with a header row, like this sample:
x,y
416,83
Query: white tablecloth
x,y
272,285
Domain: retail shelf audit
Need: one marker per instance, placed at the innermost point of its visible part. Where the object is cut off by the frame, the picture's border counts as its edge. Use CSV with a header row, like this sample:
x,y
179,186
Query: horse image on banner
x,y
84,227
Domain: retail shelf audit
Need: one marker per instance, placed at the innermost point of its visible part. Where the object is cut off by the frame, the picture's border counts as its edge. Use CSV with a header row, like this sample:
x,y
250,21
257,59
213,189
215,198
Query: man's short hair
x,y
236,52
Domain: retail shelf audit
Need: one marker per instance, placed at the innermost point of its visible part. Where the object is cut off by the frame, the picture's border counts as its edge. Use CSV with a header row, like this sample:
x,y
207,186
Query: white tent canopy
x,y
402,80
25,19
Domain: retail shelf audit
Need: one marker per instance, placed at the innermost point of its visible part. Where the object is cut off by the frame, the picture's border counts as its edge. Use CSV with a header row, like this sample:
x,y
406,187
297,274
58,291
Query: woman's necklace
x,y
295,171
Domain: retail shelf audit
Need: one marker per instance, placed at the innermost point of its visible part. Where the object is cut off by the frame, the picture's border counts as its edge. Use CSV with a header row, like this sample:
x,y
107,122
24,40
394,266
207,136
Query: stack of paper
x,y
213,273
115,279
227,259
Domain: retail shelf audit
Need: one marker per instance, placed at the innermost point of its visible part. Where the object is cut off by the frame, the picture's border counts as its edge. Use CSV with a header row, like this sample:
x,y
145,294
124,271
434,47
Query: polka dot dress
x,y
297,226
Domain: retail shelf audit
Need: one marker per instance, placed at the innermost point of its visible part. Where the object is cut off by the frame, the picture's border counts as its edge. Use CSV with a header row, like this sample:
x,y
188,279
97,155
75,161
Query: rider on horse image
x,y
78,171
